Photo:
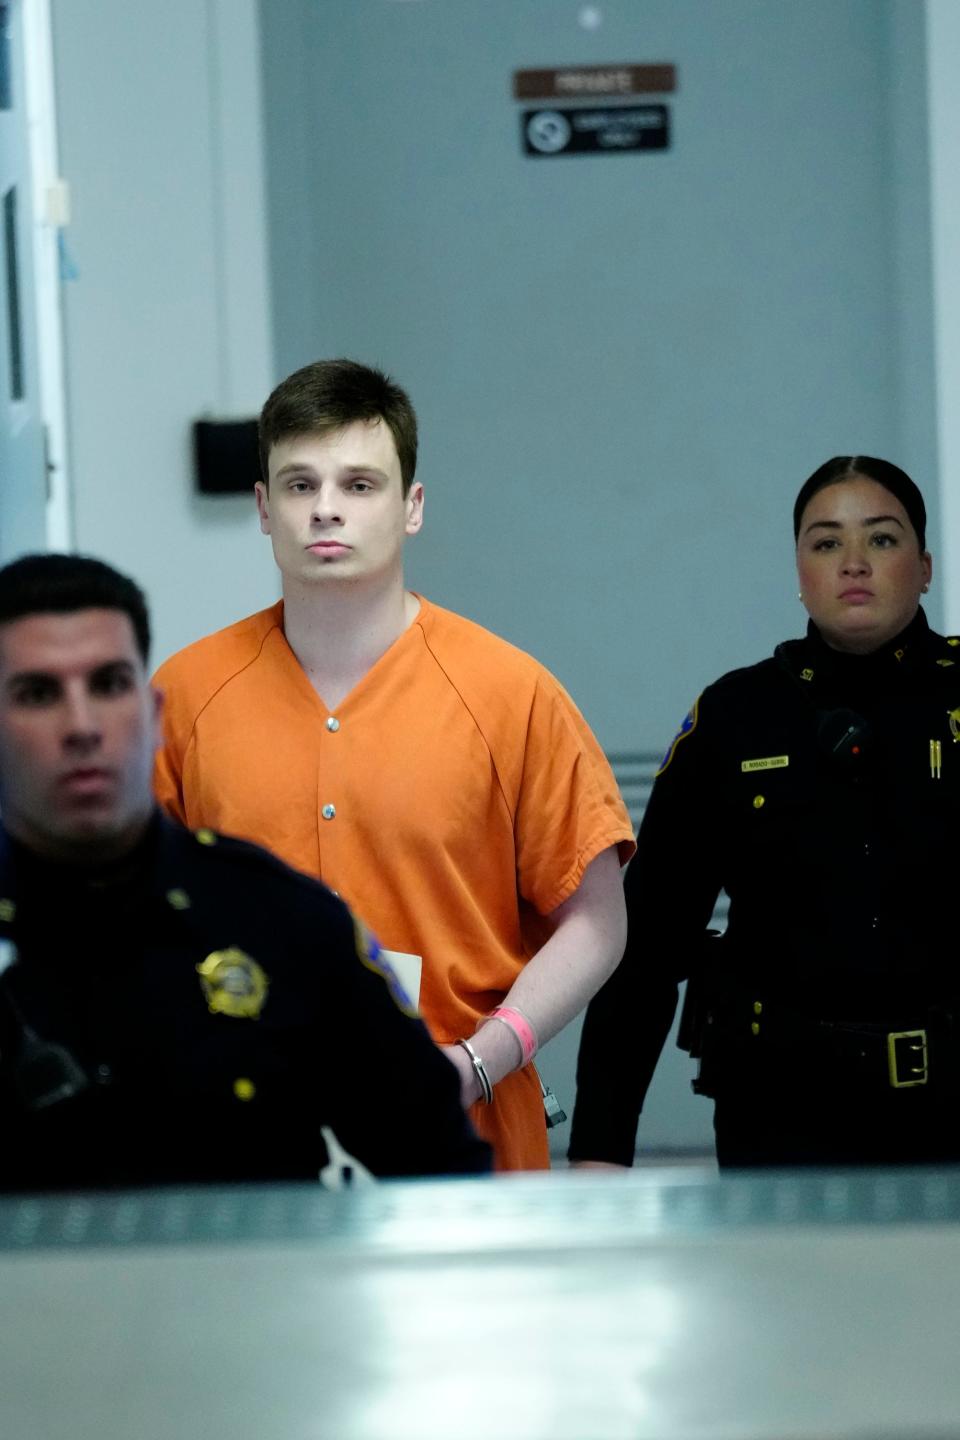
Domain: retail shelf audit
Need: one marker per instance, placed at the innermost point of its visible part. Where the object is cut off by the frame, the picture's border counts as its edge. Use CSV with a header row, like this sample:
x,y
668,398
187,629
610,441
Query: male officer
x,y
441,780
173,1007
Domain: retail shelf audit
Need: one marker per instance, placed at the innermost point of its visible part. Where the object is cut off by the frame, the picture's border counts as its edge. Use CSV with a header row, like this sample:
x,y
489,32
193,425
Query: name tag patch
x,y
772,762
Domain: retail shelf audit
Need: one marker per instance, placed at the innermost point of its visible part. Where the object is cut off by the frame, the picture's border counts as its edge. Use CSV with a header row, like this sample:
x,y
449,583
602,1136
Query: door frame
x,y
34,126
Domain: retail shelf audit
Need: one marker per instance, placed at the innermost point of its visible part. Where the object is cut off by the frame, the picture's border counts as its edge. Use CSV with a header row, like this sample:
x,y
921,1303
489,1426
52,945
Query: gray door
x,y
22,461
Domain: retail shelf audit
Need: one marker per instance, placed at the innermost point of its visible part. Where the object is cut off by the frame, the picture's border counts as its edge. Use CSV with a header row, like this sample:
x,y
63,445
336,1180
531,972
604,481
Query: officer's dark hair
x,y
851,467
61,584
330,394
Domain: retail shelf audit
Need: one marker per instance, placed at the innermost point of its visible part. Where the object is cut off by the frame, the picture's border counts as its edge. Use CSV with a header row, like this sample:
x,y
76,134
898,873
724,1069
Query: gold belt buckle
x,y
915,1046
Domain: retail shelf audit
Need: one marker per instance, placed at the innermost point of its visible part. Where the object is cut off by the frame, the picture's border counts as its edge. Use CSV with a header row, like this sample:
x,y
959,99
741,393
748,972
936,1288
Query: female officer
x,y
821,790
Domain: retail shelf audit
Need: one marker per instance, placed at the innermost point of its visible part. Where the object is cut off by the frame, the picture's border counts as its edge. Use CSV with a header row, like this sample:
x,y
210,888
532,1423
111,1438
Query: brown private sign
x,y
593,82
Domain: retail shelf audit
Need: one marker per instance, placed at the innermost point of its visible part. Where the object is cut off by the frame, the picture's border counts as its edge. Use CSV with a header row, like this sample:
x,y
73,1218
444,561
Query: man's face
x,y
335,510
79,724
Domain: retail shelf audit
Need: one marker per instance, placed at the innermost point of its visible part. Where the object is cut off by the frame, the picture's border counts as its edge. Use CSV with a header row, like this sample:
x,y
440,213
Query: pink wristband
x,y
521,1027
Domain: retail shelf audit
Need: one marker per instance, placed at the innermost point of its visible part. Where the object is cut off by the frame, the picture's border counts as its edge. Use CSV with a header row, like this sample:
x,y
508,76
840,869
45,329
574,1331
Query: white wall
x,y
943,108
169,319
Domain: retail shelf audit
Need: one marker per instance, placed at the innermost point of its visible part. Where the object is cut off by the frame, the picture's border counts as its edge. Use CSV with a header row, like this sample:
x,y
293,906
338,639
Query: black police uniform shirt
x,y
821,791
197,1013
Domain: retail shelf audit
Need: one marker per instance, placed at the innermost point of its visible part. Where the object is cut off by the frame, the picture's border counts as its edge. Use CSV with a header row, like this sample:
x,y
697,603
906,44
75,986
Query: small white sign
x,y
407,969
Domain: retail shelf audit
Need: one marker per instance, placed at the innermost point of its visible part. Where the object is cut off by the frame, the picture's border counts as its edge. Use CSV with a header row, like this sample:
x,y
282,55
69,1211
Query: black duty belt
x,y
906,1053
875,1053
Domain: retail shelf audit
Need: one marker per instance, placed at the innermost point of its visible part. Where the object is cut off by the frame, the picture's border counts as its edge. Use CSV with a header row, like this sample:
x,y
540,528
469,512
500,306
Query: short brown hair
x,y
330,394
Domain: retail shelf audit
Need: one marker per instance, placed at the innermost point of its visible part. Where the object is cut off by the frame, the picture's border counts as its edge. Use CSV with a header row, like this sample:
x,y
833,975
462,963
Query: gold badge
x,y
233,984
806,674
954,717
772,762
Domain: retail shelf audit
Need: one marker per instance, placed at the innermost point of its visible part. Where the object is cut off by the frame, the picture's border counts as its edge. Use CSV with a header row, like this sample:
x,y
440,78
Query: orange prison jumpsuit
x,y
453,800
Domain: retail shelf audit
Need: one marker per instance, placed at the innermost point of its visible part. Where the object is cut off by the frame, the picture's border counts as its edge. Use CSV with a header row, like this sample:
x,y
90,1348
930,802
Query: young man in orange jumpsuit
x,y
436,777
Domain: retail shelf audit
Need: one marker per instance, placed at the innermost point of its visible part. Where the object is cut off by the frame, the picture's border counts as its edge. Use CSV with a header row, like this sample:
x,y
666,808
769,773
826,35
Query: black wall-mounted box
x,y
226,456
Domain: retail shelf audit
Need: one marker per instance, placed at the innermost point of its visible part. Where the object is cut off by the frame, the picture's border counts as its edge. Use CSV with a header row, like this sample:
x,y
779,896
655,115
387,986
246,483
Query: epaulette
x,y
231,847
234,852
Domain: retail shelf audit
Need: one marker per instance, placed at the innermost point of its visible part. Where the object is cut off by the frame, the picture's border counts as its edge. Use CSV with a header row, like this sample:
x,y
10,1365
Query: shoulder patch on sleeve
x,y
371,956
687,728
